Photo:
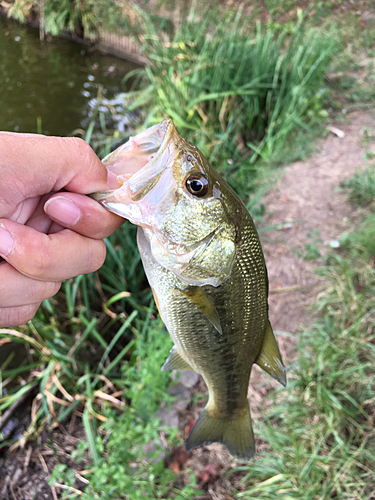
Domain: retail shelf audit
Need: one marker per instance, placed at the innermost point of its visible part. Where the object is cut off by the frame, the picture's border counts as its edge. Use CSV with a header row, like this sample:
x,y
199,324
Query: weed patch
x,y
361,187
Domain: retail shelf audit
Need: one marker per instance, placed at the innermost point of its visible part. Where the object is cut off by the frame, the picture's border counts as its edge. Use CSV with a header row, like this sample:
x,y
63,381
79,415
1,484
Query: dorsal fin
x,y
269,358
199,298
175,362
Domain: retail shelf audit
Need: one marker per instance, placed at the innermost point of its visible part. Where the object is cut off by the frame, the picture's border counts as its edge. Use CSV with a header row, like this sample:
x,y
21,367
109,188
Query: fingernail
x,y
62,210
112,180
6,242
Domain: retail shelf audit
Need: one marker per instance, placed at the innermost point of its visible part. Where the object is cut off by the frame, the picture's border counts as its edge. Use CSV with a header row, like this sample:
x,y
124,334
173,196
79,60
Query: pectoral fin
x,y
199,298
269,358
175,362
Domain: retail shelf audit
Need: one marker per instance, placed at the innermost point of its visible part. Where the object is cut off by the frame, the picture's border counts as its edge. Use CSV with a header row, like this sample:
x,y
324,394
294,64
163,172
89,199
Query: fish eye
x,y
197,185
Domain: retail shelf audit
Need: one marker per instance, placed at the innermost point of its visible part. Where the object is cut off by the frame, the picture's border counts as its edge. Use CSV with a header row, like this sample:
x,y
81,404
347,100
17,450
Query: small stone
x,y
287,225
367,15
334,244
168,416
188,378
182,394
180,405
336,131
178,391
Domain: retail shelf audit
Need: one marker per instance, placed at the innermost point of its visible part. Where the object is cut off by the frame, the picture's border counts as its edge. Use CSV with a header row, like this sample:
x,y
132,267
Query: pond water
x,y
51,82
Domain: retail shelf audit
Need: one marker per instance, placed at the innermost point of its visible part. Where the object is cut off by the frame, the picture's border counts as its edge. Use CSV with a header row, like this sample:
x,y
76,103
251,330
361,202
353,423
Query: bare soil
x,y
308,199
308,196
316,212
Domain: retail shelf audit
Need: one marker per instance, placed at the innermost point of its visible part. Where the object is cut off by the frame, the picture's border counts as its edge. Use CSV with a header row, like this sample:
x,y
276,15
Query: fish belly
x,y
224,359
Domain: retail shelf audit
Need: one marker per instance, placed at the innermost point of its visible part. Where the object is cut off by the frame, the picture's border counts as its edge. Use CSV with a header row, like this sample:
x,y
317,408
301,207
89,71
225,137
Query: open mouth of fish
x,y
142,159
143,166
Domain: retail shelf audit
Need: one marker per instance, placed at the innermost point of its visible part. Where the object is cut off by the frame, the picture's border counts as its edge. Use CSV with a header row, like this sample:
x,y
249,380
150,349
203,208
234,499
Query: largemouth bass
x,y
205,265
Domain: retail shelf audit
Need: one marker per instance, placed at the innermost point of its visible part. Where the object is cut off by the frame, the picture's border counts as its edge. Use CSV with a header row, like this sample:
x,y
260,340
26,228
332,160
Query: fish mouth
x,y
138,164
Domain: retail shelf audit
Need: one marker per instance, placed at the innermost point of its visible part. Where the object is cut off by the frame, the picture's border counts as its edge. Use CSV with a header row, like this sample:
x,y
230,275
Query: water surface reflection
x,y
53,80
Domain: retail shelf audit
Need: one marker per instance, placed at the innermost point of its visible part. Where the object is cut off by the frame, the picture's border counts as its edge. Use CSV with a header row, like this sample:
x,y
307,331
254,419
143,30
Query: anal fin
x,y
199,298
269,358
175,362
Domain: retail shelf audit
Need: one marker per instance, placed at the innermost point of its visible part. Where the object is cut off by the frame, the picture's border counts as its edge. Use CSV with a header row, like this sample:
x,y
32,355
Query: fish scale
x,y
205,265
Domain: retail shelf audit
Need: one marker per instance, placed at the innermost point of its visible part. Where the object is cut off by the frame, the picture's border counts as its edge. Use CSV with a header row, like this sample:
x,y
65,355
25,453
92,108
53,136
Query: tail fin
x,y
236,433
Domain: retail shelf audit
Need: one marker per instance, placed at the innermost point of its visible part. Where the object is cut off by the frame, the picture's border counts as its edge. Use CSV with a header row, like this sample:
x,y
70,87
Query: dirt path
x,y
309,195
316,212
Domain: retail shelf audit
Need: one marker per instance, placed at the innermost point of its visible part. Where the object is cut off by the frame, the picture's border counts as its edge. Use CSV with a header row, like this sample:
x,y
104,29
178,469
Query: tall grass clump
x,y
361,186
361,190
235,92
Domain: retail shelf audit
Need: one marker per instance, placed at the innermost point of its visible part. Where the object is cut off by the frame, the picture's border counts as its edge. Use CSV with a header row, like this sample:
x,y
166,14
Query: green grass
x,y
361,189
98,349
362,186
361,241
321,440
121,466
239,91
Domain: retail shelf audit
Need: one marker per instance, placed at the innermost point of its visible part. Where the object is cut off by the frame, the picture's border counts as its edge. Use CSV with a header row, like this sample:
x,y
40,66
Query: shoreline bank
x,y
116,43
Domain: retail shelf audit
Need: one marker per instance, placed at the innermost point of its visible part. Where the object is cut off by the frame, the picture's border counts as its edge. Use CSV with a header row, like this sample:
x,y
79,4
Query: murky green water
x,y
52,80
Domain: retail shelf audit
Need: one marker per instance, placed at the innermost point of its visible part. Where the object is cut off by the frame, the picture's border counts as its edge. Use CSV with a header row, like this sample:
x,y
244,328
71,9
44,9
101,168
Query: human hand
x,y
48,235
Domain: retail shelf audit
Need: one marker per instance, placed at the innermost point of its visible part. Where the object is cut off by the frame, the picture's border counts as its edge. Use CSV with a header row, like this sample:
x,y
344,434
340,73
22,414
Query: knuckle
x,y
76,143
39,265
45,264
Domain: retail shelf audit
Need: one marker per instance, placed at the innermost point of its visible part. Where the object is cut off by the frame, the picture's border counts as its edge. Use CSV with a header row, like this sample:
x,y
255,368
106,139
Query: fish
x,y
204,262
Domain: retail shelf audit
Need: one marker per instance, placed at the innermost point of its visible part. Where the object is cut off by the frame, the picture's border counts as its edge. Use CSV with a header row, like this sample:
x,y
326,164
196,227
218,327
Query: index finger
x,y
43,164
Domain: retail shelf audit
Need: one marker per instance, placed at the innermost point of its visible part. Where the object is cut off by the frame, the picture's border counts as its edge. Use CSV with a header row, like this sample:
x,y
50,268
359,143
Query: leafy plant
x,y
320,436
236,95
79,17
130,453
311,249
